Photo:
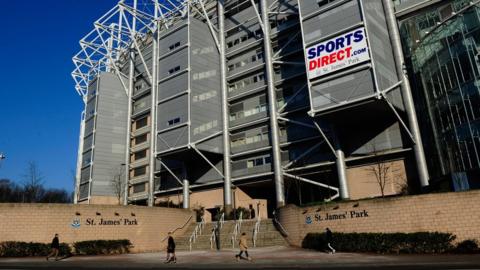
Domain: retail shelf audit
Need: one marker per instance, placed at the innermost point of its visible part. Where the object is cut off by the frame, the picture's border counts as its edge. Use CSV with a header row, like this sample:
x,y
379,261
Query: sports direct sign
x,y
337,53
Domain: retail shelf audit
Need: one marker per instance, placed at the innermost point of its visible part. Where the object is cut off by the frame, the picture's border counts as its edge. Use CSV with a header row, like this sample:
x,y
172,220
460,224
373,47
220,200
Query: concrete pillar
x,y
272,104
186,194
342,175
227,187
406,92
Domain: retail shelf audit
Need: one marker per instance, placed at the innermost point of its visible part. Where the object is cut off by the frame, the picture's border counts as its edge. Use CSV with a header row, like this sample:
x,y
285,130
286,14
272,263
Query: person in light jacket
x,y
242,244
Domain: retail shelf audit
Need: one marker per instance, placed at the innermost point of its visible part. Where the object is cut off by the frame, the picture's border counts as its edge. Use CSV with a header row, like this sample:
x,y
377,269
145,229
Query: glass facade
x,y
442,48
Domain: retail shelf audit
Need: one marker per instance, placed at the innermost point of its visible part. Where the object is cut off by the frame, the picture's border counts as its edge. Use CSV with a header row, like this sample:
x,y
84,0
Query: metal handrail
x,y
178,228
256,229
236,230
222,220
213,237
198,230
280,227
218,224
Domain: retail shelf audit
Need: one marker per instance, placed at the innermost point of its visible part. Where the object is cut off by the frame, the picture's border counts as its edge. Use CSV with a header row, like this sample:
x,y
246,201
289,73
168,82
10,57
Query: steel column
x,y
406,91
186,194
131,82
272,101
342,175
153,111
227,177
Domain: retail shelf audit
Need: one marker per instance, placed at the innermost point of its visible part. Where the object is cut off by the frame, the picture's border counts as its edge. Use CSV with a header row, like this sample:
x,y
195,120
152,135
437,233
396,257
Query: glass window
x,y
139,171
143,122
140,139
140,154
173,121
139,188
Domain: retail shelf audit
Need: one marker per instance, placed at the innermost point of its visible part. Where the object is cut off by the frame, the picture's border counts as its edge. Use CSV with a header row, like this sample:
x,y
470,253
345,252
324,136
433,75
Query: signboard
x,y
76,223
336,216
337,53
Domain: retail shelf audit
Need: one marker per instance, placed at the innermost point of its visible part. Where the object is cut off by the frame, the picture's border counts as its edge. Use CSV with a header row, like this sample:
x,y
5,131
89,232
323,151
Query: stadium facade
x,y
267,102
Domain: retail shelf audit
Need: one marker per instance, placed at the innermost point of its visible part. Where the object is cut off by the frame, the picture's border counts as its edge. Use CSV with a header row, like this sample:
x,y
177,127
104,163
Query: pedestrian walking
x,y
242,244
171,250
55,246
217,235
252,211
329,239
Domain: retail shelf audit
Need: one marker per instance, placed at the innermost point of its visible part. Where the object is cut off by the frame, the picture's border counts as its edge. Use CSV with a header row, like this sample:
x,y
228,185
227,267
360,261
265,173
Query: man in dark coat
x,y
55,246
217,235
329,239
171,249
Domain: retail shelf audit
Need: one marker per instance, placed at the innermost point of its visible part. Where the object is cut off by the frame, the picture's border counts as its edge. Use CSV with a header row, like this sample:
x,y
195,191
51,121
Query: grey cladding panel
x,y
109,151
205,84
85,174
211,175
142,104
171,37
83,191
89,125
87,142
173,138
342,89
212,145
382,53
170,110
389,138
331,21
90,110
177,61
173,86
239,18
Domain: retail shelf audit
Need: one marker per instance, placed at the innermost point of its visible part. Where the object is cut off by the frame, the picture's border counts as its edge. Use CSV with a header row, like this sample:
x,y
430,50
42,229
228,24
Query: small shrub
x,y
24,249
97,247
419,242
469,246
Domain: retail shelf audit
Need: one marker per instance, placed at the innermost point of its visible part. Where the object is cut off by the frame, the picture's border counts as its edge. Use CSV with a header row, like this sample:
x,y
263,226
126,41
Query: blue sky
x,y
39,107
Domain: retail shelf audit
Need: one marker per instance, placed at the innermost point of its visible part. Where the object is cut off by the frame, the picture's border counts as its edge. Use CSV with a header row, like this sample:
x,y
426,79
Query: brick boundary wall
x,y
453,212
145,227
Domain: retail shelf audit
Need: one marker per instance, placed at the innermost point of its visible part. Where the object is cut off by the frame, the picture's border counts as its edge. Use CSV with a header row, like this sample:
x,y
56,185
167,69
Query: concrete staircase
x,y
267,235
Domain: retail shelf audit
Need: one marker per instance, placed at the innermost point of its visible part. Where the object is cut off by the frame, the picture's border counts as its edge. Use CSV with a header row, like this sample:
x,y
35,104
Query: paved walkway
x,y
265,258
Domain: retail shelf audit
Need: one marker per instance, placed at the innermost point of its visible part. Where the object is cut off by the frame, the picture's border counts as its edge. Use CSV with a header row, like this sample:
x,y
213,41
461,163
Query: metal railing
x,y
198,230
178,228
279,225
236,229
222,220
256,229
218,225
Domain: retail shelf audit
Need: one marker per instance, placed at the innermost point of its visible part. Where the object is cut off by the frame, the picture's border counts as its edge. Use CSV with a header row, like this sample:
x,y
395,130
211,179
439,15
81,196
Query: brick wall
x,y
212,198
443,212
39,222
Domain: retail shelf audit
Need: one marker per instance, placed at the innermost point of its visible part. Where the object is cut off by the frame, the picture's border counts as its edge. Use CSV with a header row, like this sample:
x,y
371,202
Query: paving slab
x,y
263,258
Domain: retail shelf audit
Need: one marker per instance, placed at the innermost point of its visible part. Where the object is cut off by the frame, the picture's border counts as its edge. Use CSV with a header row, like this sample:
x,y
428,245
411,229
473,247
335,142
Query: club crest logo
x,y
308,220
76,223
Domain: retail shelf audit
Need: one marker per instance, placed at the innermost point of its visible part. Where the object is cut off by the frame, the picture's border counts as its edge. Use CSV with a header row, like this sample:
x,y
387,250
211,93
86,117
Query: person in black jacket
x,y
329,239
171,249
55,246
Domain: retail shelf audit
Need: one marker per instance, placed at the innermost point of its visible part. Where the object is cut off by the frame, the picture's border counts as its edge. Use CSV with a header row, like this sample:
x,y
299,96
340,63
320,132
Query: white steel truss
x,y
124,27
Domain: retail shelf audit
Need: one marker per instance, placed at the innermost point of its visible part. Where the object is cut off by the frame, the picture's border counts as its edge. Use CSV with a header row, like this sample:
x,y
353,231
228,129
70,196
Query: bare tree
x,y
381,170
117,183
32,183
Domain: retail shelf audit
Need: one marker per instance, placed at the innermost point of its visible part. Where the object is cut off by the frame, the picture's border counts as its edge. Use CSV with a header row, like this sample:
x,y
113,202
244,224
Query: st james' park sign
x,y
319,217
76,223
